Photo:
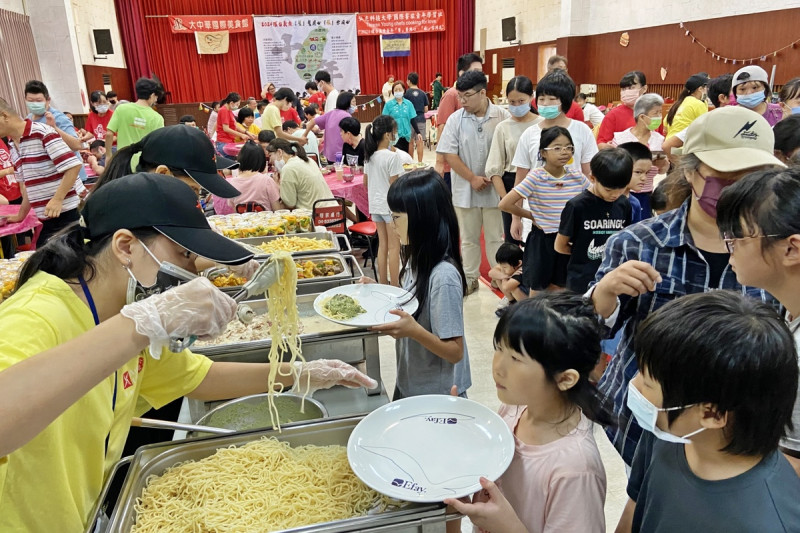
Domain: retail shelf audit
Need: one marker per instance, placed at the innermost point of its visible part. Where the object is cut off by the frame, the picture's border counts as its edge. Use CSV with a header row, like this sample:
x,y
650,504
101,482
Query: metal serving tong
x,y
265,277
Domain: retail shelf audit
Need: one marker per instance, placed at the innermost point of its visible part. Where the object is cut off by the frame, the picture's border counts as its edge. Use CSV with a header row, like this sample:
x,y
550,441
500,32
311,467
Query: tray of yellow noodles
x,y
260,481
298,245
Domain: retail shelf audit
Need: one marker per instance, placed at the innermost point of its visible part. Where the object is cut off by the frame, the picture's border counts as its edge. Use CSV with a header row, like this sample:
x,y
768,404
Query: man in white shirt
x,y
590,111
323,79
465,144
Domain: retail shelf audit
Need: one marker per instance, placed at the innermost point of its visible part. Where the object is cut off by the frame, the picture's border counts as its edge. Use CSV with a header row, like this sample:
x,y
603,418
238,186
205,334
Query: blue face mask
x,y
796,111
352,109
37,108
549,111
519,111
751,100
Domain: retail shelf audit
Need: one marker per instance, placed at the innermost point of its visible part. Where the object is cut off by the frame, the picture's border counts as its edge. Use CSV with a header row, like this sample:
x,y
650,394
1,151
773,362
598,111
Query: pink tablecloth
x,y
29,223
353,191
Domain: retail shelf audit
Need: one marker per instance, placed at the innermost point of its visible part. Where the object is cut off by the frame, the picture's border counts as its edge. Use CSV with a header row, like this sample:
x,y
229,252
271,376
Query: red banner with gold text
x,y
205,23
400,22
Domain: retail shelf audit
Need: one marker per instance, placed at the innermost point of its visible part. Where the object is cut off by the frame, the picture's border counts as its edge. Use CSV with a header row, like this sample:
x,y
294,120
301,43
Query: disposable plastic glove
x,y
245,270
325,373
194,308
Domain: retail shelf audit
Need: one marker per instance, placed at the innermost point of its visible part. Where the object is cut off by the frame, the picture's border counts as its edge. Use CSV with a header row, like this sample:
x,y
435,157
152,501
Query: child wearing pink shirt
x,y
545,349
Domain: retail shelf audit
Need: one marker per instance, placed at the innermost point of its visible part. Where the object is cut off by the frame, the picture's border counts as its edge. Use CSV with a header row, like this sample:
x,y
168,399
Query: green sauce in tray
x,y
249,415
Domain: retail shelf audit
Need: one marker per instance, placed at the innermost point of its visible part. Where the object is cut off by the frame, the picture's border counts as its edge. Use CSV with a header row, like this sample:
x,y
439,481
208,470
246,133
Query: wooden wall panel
x,y
599,59
119,81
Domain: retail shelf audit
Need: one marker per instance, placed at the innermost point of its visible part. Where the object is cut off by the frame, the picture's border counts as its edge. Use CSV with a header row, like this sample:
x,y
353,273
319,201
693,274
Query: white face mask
x,y
647,415
398,95
279,164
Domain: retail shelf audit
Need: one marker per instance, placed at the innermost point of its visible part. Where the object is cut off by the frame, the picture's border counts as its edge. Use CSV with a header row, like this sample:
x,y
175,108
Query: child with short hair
x,y
590,218
545,348
547,189
658,199
717,382
642,162
506,275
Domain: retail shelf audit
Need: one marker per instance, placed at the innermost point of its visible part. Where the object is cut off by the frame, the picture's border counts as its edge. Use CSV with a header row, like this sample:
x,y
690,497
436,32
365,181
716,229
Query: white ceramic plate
x,y
428,448
377,299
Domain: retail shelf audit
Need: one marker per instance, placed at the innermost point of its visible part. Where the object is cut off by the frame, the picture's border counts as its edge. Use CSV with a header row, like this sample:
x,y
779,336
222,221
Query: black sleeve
x,y
628,213
641,460
567,226
415,125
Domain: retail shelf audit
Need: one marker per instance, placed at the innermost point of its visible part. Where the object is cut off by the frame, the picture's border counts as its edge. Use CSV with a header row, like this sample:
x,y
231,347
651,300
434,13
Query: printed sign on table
x,y
193,23
292,49
400,22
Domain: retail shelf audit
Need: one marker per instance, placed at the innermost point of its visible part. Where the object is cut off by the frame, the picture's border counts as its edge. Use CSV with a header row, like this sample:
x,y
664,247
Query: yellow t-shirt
x,y
690,109
271,118
51,483
254,129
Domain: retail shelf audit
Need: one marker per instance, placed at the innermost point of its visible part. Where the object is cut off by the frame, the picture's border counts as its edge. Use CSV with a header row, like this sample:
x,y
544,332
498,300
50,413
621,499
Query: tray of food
x,y
328,270
408,167
9,272
308,244
261,480
239,337
264,223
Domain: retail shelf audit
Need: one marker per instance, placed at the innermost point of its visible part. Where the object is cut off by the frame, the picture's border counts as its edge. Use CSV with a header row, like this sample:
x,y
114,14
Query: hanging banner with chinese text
x,y
400,22
193,23
292,49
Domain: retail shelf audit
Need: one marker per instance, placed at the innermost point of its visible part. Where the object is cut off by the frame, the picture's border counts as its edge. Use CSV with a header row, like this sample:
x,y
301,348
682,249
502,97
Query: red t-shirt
x,y
291,114
618,119
8,184
575,112
97,125
225,116
319,99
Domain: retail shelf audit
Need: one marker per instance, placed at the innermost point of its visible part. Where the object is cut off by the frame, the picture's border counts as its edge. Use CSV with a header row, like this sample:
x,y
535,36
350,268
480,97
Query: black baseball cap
x,y
189,150
223,163
168,205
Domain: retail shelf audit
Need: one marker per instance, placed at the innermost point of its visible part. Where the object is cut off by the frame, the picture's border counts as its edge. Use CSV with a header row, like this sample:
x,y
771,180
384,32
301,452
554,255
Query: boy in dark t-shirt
x,y
715,392
590,218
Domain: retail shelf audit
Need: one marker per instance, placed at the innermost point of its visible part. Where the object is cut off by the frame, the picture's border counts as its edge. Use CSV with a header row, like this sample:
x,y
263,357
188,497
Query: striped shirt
x,y
548,195
665,243
42,158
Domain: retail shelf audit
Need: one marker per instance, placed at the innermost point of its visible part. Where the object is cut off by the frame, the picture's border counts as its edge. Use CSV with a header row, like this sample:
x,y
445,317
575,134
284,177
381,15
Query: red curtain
x,y
191,77
131,26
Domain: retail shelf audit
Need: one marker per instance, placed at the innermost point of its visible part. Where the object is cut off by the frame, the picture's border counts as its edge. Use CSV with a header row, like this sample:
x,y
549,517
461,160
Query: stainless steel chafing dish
x,y
157,458
351,273
338,243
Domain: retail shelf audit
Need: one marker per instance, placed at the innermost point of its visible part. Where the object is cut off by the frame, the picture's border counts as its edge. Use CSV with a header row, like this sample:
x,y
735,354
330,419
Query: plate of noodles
x,y
364,305
428,448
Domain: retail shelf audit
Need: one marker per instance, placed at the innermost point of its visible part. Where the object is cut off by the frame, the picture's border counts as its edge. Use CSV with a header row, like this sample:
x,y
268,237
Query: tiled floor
x,y
479,323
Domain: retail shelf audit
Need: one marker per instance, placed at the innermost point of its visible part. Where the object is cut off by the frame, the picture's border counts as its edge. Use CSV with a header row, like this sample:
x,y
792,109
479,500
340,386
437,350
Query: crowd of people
x,y
667,239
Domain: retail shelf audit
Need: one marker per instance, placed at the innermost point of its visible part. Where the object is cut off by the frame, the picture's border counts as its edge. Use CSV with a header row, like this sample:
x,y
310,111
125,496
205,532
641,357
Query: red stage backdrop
x,y
190,77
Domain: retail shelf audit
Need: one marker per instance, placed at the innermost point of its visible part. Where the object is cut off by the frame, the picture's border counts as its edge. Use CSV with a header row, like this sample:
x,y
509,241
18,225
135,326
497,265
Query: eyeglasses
x,y
730,241
464,97
560,149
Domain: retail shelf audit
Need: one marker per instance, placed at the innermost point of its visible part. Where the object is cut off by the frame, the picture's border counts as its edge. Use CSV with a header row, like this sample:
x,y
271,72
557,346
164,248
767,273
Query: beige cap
x,y
730,139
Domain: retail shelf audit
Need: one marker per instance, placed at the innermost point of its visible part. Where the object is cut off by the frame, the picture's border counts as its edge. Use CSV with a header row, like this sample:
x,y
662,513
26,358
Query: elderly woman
x,y
647,114
677,253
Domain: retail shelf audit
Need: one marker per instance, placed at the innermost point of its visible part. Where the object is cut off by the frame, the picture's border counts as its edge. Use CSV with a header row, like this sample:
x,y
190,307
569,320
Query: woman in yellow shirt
x,y
74,357
690,104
